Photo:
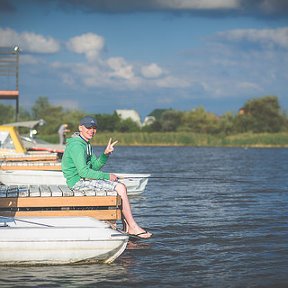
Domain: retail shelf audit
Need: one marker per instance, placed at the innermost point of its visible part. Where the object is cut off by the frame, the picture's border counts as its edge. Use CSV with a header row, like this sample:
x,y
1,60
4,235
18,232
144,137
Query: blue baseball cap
x,y
88,122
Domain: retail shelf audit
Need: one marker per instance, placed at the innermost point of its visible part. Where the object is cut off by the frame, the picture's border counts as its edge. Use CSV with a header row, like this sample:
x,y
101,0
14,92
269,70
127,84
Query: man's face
x,y
87,133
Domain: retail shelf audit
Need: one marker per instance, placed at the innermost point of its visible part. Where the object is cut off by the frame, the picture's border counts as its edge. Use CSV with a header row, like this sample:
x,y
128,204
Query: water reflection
x,y
55,276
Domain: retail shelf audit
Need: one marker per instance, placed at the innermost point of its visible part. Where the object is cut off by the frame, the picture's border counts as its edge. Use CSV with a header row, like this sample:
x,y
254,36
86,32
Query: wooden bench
x,y
58,200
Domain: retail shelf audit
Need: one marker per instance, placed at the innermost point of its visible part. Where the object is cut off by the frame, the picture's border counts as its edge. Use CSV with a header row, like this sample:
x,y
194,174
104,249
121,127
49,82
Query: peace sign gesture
x,y
110,147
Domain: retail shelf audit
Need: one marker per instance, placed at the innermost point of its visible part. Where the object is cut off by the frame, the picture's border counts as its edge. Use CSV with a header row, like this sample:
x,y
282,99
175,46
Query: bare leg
x,y
132,226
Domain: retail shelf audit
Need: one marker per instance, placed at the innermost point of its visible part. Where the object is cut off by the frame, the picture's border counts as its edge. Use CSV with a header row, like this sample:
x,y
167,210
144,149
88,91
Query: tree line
x,y
257,115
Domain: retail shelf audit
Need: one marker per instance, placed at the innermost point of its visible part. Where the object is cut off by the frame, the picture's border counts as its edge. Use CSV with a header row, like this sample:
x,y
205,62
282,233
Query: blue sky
x,y
99,56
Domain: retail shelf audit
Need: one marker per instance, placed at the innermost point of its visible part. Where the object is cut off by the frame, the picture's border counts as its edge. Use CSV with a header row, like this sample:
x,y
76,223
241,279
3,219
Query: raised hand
x,y
110,147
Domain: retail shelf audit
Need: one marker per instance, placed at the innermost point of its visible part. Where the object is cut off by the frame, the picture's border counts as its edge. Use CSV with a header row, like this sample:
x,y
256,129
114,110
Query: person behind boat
x,y
63,129
82,170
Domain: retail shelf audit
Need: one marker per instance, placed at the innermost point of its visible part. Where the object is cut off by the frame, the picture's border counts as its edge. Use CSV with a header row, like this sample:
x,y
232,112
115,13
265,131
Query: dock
x,y
58,200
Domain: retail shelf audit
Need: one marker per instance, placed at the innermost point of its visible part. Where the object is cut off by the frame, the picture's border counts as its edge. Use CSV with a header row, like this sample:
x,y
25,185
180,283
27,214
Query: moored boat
x,y
58,240
135,183
31,142
19,167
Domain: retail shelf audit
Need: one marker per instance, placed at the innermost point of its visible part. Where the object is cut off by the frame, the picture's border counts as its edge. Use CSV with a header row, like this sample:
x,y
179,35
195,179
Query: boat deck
x,y
29,157
58,200
33,165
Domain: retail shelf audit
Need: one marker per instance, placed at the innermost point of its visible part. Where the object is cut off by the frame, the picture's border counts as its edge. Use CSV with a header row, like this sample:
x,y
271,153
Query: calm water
x,y
219,221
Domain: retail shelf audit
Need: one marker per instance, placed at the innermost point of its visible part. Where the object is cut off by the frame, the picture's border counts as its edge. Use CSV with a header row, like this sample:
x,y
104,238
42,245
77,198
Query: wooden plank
x,y
66,191
88,201
111,193
45,191
56,192
98,214
3,190
44,166
92,192
101,193
34,191
9,94
29,157
78,193
12,191
23,190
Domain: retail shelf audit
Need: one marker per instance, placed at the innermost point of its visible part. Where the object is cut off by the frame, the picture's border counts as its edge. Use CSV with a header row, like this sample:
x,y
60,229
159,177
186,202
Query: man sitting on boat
x,y
81,168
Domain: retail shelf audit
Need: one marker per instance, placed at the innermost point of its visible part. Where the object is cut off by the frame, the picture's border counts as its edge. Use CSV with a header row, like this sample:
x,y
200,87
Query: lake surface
x,y
219,218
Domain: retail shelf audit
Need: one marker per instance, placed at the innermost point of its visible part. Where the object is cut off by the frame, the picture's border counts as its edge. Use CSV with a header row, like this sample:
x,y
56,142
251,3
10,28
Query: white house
x,y
132,114
149,120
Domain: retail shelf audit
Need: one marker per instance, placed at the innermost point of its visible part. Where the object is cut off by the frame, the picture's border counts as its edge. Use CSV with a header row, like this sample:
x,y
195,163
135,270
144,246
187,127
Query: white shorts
x,y
95,185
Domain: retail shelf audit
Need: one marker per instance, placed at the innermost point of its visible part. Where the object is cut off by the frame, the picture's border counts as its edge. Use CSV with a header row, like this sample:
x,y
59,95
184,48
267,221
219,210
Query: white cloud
x,y
75,74
172,82
31,60
88,44
28,42
156,5
115,72
120,68
249,86
151,71
203,4
266,37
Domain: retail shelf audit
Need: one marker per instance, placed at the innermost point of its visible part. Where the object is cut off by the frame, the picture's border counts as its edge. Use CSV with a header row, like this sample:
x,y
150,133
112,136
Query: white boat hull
x,y
58,240
135,183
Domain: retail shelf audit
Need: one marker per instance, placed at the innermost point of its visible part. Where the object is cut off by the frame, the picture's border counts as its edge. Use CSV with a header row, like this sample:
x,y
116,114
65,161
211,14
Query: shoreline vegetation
x,y
259,123
194,139
259,140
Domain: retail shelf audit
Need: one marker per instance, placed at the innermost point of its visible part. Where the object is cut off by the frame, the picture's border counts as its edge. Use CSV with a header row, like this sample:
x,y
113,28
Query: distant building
x,y
149,120
132,114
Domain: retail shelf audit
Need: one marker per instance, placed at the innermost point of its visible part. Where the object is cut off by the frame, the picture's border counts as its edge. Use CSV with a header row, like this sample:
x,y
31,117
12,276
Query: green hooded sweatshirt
x,y
79,161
